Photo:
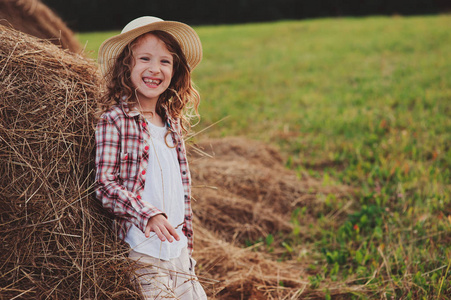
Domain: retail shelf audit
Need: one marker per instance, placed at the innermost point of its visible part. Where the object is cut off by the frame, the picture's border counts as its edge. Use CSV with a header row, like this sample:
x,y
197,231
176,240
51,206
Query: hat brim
x,y
187,38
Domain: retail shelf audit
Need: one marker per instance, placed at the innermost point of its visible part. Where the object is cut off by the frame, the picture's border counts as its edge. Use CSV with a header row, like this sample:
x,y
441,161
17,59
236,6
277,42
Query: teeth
x,y
152,81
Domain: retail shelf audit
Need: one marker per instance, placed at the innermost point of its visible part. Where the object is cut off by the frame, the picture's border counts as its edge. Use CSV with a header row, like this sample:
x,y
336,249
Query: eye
x,y
166,61
144,58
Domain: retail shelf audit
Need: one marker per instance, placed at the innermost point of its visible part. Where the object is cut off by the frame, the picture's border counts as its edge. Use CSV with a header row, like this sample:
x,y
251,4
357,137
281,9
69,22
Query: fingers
x,y
172,232
162,228
160,234
147,231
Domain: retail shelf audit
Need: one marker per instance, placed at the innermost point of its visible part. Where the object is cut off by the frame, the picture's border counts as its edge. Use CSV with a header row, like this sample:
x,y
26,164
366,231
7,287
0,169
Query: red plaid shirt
x,y
121,160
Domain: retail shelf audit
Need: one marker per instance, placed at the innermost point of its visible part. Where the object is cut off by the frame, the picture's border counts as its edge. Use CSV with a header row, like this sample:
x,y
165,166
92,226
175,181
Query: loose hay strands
x,y
253,196
56,240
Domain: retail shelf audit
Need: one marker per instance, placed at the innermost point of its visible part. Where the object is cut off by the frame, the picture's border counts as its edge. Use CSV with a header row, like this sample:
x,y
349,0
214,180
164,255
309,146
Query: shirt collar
x,y
131,113
127,110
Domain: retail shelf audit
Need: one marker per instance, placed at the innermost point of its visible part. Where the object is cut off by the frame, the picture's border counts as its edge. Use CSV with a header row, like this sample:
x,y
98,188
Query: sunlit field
x,y
364,102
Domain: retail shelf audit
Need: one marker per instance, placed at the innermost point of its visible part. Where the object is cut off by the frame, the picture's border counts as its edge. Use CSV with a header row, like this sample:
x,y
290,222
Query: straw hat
x,y
186,37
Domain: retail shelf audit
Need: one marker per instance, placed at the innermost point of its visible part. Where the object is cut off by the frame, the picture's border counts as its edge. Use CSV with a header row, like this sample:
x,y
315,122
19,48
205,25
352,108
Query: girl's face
x,y
152,69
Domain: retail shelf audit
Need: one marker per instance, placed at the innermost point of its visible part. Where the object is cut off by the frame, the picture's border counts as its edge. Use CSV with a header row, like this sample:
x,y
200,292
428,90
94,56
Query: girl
x,y
142,171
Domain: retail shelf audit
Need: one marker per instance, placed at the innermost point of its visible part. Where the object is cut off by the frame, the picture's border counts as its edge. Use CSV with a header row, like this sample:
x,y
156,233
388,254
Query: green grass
x,y
366,101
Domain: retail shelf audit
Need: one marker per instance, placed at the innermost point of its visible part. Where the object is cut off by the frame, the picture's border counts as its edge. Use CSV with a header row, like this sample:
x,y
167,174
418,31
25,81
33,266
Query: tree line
x,y
96,15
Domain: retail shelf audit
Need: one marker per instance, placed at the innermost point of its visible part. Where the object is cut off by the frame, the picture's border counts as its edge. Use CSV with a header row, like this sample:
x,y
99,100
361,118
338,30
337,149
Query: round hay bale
x,y
35,18
56,240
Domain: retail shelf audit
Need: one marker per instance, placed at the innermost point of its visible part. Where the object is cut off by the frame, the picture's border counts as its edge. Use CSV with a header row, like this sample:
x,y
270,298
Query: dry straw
x,y
56,241
243,193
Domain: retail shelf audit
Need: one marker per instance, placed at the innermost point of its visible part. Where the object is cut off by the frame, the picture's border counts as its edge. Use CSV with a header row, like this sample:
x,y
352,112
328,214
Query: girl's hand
x,y
162,228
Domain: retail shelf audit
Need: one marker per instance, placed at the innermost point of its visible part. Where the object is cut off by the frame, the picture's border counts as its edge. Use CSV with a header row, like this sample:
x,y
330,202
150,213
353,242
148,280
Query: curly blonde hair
x,y
180,100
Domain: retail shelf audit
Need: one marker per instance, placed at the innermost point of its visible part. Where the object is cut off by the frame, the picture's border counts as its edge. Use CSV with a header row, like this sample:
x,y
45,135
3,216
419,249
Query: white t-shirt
x,y
171,203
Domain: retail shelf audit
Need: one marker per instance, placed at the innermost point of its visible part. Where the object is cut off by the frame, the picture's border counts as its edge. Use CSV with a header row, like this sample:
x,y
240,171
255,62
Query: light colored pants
x,y
162,279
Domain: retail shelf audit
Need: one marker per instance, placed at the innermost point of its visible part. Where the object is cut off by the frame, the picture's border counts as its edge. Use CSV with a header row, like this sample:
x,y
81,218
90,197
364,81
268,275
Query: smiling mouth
x,y
153,82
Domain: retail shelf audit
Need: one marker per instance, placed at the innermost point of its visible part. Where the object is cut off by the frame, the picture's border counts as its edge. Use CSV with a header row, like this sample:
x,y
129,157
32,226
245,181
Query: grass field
x,y
359,101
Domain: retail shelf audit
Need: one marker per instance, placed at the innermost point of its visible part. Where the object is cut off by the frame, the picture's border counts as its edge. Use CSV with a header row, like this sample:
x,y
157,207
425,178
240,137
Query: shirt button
x,y
144,124
126,156
146,148
184,173
144,172
139,197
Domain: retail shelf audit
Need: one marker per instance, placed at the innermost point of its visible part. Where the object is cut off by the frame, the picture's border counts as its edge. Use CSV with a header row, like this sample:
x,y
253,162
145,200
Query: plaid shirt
x,y
121,163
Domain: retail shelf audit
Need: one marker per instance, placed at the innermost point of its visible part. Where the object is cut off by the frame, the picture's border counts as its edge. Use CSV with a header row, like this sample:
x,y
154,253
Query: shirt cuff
x,y
149,211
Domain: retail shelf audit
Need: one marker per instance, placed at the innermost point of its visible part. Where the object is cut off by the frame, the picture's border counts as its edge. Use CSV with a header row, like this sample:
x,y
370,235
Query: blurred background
x,y
96,15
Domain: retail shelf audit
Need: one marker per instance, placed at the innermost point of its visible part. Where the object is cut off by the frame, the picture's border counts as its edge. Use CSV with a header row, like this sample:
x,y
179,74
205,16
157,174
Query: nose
x,y
153,67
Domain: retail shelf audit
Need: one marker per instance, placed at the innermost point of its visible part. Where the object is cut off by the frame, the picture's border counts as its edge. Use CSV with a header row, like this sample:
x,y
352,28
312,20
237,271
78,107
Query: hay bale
x,y
35,18
56,240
